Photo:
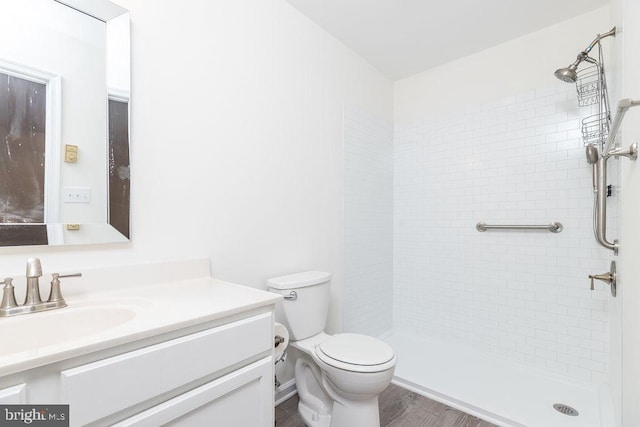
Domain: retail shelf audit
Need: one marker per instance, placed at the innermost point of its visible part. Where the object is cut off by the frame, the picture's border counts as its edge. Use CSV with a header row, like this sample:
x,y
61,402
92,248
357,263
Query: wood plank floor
x,y
398,408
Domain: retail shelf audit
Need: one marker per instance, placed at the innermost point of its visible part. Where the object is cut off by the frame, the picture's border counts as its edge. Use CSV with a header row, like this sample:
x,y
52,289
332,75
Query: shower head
x,y
592,154
569,74
592,158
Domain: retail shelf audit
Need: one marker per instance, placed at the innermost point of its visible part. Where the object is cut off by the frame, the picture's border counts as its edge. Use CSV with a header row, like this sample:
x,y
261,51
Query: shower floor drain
x,y
565,409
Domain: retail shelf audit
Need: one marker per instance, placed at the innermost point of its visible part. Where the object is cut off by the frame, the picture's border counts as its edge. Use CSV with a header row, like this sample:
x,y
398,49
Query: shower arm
x,y
584,55
611,32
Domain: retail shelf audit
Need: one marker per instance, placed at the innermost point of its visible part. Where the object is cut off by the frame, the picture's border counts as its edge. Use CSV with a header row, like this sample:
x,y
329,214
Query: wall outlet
x,y
76,195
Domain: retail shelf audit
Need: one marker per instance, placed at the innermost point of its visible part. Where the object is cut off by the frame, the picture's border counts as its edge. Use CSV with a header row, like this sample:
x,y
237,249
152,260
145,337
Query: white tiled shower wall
x,y
368,289
522,295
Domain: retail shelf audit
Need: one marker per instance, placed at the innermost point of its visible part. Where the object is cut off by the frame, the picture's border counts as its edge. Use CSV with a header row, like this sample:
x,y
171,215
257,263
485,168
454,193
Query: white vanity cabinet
x,y
217,373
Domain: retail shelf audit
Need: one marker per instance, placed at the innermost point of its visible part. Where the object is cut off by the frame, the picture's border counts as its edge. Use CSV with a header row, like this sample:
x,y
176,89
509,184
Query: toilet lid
x,y
356,349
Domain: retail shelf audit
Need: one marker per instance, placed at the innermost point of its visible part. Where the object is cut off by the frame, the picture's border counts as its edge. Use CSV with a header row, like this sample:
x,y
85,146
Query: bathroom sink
x,y
31,332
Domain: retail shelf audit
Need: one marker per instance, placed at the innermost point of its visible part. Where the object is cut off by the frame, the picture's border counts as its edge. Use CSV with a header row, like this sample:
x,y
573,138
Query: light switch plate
x,y
76,195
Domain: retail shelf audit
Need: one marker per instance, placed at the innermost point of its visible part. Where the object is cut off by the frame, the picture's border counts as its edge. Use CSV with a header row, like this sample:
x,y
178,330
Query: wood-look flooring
x,y
398,408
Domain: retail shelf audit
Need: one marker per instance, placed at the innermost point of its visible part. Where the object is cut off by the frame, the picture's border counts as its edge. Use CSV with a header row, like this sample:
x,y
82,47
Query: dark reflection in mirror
x,y
22,150
23,234
119,182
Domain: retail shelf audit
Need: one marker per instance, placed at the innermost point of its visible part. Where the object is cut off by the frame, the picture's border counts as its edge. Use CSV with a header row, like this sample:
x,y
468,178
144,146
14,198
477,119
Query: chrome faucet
x,y
32,302
34,272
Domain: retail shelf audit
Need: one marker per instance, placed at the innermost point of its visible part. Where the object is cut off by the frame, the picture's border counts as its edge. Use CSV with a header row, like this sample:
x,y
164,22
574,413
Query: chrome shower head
x,y
592,158
592,154
567,75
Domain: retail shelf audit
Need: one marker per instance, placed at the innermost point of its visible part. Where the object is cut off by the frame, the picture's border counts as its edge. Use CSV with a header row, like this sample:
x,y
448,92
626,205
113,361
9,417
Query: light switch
x,y
71,153
76,195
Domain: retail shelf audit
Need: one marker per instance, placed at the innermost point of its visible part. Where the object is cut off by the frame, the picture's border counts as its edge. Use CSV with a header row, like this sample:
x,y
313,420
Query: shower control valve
x,y
610,277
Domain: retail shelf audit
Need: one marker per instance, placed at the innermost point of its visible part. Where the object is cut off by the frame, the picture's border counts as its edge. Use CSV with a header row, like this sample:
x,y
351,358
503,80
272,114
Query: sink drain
x,y
565,409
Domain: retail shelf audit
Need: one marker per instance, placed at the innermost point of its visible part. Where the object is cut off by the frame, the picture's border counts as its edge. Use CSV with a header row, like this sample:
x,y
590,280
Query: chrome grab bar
x,y
554,227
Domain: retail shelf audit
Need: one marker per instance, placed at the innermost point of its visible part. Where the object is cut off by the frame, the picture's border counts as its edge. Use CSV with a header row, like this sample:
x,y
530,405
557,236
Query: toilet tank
x,y
304,315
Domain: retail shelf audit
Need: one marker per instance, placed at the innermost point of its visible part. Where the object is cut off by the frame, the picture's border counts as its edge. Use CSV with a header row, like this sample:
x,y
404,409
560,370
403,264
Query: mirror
x,y
64,122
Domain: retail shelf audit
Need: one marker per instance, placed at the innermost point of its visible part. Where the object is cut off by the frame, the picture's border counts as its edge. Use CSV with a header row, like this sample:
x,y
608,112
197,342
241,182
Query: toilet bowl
x,y
338,377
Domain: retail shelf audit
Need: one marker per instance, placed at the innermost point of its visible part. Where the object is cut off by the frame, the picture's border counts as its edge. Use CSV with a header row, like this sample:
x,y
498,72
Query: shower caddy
x,y
598,130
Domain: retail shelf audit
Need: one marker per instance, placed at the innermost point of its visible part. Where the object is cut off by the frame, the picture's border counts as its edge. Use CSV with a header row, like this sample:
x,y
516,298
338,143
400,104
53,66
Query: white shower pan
x,y
500,391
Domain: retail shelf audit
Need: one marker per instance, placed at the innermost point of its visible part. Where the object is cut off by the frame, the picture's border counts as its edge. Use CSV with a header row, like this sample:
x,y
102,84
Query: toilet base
x,y
355,414
321,405
361,413
311,418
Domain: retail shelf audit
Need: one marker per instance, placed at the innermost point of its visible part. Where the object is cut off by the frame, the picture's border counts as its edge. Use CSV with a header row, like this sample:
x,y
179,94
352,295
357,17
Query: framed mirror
x,y
64,122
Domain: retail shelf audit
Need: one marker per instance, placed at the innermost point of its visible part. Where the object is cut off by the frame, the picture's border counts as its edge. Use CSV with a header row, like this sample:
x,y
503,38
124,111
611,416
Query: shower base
x,y
496,390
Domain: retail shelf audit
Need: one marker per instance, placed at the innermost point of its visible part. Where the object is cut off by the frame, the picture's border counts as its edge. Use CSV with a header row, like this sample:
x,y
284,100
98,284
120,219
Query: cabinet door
x,y
13,395
240,399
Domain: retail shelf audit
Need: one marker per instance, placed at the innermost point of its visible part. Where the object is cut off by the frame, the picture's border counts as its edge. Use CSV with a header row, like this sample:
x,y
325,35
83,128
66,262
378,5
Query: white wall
x,y
495,137
627,385
510,68
615,75
368,206
237,142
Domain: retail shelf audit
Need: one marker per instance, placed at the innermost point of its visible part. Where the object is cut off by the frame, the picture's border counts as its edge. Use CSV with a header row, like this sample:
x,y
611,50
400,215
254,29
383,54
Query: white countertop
x,y
130,314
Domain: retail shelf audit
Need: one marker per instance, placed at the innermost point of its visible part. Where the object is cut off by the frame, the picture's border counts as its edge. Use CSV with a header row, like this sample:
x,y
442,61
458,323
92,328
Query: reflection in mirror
x,y
119,184
64,122
22,128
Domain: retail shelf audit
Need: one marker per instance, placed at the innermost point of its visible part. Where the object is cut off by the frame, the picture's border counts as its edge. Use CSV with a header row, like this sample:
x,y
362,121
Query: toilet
x,y
338,377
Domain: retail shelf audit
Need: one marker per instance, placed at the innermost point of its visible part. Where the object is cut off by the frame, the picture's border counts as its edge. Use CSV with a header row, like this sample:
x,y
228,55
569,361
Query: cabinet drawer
x,y
101,388
241,398
13,395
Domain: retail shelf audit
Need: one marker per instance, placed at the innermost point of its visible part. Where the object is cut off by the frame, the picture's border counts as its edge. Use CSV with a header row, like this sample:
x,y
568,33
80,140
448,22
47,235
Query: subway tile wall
x,y
522,295
368,208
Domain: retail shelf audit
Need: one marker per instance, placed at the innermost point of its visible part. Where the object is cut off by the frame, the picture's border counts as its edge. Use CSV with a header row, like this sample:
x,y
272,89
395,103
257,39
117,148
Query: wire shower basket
x,y
595,128
591,86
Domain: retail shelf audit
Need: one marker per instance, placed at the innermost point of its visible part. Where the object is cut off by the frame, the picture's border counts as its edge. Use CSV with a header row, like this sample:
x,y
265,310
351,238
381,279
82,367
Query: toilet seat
x,y
356,353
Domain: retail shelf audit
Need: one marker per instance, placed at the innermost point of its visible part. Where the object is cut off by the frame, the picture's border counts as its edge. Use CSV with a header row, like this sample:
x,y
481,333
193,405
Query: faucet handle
x,y
34,268
8,294
55,295
610,278
57,275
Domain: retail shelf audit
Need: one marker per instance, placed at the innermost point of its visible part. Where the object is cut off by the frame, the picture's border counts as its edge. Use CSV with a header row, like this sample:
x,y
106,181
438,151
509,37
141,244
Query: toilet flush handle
x,y
293,295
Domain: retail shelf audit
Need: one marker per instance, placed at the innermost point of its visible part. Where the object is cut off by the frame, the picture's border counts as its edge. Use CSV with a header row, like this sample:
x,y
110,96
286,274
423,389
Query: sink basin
x,y
37,330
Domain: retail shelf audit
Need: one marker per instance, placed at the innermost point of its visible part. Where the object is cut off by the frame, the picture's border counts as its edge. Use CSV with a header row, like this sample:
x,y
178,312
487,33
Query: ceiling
x,y
405,37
